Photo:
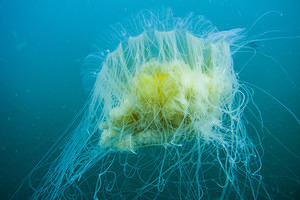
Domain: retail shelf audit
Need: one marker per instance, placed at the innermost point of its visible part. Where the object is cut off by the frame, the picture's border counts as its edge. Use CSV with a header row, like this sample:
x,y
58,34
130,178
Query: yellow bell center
x,y
163,103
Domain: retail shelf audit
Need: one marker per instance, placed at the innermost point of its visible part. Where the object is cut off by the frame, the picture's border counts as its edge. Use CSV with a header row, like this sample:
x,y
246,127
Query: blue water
x,y
43,44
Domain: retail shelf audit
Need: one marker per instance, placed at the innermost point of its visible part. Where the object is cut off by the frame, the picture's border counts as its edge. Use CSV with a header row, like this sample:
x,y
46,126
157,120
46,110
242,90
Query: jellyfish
x,y
164,120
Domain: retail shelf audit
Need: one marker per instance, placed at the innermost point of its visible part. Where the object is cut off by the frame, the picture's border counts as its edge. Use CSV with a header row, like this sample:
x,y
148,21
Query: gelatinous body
x,y
164,121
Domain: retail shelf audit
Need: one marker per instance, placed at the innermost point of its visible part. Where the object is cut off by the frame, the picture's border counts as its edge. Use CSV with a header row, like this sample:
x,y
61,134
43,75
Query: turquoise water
x,y
43,44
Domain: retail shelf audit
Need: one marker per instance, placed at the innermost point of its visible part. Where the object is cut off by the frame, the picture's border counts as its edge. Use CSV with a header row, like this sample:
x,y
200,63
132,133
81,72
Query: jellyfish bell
x,y
170,86
164,121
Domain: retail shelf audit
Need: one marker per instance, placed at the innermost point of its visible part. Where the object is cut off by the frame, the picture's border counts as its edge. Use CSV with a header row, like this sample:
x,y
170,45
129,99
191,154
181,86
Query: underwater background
x,y
43,45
